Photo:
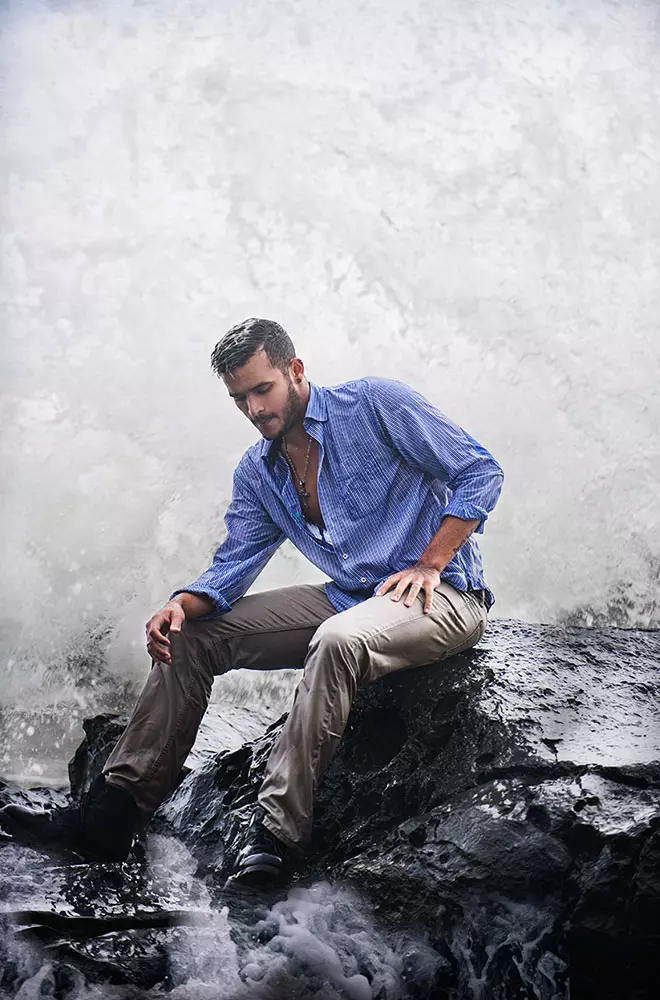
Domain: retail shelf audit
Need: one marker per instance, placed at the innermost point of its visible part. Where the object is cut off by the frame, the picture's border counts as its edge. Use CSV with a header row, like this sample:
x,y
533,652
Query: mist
x,y
461,195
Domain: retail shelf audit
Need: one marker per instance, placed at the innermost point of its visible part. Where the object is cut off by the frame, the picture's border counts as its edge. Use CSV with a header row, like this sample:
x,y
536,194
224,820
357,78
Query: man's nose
x,y
255,411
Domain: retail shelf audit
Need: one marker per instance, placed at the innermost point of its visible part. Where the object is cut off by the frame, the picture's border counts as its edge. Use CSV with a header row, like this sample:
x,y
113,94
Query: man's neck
x,y
297,437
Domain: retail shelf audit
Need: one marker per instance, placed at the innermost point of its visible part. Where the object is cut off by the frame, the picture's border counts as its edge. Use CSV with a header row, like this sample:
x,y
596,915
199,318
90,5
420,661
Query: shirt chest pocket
x,y
362,493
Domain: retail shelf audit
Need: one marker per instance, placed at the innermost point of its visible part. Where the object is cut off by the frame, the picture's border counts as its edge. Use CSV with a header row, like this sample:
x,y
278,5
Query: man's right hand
x,y
170,618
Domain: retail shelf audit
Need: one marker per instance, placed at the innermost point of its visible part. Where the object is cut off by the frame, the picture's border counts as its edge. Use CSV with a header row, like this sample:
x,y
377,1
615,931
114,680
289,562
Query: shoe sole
x,y
263,859
258,877
242,892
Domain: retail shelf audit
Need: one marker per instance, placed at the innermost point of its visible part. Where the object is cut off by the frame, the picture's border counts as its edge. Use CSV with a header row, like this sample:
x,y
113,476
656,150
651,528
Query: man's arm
x,y
252,539
448,539
425,574
194,605
430,441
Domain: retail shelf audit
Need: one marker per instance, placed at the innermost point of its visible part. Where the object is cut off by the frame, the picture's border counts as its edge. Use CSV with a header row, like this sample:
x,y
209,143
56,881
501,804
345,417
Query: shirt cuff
x,y
220,606
467,511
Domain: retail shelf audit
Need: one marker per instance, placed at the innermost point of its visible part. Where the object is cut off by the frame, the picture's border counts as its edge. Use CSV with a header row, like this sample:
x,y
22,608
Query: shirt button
x,y
363,580
345,555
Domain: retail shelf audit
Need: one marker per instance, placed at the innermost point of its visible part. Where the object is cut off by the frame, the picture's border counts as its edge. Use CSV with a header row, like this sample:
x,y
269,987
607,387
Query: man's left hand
x,y
418,578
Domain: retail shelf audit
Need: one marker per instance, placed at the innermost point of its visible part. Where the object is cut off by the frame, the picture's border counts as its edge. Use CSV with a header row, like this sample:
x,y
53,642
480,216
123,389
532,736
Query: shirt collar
x,y
316,410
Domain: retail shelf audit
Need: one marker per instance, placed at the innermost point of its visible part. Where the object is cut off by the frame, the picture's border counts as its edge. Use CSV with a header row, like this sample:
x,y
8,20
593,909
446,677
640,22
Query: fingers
x,y
415,588
401,587
158,653
400,581
412,593
428,597
158,648
154,632
177,619
384,587
158,645
404,580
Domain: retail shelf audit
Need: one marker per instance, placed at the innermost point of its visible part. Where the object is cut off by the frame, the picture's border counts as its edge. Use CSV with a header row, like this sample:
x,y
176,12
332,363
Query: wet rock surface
x,y
489,828
226,726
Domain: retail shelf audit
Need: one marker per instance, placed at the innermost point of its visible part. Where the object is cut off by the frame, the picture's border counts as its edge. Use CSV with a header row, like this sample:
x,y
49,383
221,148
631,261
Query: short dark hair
x,y
244,340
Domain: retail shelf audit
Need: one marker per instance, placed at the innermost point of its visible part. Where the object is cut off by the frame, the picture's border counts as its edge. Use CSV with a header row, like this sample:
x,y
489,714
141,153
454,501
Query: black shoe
x,y
264,860
100,827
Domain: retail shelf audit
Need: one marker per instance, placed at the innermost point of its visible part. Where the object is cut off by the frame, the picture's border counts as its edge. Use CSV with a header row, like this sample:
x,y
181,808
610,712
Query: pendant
x,y
304,497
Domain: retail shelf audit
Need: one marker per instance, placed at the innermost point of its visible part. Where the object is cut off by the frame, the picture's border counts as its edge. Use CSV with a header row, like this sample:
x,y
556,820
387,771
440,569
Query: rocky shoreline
x,y
489,828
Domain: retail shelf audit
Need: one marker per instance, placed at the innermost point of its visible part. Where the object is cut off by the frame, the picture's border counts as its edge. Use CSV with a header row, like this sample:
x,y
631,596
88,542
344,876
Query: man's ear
x,y
297,370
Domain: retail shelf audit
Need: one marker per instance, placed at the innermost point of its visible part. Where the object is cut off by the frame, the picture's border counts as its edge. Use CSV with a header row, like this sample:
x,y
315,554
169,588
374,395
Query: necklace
x,y
304,495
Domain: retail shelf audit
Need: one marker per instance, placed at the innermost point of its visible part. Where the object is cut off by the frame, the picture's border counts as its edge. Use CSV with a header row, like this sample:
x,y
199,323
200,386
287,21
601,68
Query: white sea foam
x,y
320,943
459,195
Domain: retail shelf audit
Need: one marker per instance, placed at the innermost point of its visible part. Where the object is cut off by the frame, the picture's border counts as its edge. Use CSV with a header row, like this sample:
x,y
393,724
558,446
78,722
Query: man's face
x,y
266,396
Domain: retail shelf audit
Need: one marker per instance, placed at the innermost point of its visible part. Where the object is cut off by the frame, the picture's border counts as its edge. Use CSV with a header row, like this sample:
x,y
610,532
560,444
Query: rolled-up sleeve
x,y
428,440
252,539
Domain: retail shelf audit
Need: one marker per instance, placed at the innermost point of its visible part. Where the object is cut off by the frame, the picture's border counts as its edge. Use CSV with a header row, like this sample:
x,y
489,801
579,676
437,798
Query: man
x,y
383,493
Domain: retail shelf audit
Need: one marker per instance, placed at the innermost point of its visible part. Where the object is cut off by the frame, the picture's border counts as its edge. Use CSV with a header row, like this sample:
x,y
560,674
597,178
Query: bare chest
x,y
299,457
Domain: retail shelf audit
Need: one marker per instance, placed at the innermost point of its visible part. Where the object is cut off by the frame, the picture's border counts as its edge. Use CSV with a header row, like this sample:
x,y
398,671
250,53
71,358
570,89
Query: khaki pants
x,y
287,627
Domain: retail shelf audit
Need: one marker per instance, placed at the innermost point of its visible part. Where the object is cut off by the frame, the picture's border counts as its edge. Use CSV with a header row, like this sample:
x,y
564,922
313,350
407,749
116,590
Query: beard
x,y
294,411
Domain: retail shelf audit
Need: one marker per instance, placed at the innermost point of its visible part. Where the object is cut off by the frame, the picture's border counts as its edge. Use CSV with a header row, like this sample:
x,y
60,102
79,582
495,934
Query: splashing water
x,y
321,943
458,195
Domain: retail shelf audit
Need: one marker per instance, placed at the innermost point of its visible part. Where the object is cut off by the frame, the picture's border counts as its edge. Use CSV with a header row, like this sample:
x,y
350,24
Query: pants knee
x,y
190,652
332,652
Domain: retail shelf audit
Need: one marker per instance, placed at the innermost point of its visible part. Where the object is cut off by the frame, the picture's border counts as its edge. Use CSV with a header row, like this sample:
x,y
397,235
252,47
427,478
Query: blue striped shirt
x,y
391,467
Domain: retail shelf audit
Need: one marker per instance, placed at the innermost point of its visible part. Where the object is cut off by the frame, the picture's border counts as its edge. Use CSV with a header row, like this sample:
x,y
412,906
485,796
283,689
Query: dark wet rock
x,y
501,809
226,726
